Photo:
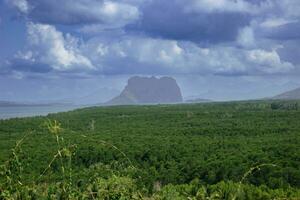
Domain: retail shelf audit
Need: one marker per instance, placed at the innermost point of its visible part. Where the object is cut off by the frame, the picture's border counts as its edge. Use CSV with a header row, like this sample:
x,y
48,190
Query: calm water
x,y
7,112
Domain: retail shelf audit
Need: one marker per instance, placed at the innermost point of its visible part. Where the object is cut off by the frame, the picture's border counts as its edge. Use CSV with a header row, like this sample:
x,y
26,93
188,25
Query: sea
x,y
8,112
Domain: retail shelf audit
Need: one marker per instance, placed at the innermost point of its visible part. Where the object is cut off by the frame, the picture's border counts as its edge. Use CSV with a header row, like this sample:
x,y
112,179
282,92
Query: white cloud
x,y
169,56
226,6
275,22
280,13
144,55
290,7
246,37
28,56
268,61
114,12
50,47
22,5
112,15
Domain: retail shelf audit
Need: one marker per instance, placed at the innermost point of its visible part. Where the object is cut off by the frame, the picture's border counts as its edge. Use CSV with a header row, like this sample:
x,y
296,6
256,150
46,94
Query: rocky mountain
x,y
145,90
290,95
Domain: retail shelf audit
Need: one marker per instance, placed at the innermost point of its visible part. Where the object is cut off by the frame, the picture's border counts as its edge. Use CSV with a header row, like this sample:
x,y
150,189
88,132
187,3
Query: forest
x,y
227,150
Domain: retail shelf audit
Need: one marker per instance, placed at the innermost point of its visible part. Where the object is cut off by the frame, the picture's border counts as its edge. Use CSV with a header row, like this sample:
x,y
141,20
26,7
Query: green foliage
x,y
223,191
195,151
285,105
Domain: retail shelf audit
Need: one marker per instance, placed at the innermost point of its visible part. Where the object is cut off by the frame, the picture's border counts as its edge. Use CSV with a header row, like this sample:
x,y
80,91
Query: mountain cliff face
x,y
290,95
144,90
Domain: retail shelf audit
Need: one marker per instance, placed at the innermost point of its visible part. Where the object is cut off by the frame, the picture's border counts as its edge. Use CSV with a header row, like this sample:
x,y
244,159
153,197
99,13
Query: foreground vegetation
x,y
242,150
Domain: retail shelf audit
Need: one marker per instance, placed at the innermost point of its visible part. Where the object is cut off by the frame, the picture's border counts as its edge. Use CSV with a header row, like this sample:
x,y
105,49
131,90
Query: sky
x,y
217,49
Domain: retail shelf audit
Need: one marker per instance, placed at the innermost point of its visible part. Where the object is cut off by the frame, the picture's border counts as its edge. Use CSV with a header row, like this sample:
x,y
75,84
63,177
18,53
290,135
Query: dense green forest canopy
x,y
172,151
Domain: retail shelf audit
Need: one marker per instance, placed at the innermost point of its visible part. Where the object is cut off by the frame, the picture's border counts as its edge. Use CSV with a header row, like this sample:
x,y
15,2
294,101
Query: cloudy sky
x,y
218,49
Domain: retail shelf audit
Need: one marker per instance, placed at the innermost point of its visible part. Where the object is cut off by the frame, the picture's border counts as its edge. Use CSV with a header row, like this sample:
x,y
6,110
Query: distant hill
x,y
15,104
144,90
9,103
290,95
198,100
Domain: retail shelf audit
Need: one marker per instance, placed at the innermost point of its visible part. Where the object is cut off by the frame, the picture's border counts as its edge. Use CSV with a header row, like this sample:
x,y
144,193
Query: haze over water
x,y
7,112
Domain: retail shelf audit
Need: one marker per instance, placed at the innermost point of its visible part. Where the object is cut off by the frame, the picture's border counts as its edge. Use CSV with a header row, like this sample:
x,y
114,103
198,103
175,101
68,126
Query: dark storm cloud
x,y
79,12
156,18
256,1
174,22
24,65
48,12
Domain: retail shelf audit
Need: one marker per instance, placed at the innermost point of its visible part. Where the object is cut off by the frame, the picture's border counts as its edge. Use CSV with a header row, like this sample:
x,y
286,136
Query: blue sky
x,y
219,49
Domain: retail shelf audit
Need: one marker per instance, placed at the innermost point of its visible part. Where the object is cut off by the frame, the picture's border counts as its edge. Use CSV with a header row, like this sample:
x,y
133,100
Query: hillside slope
x,y
290,95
